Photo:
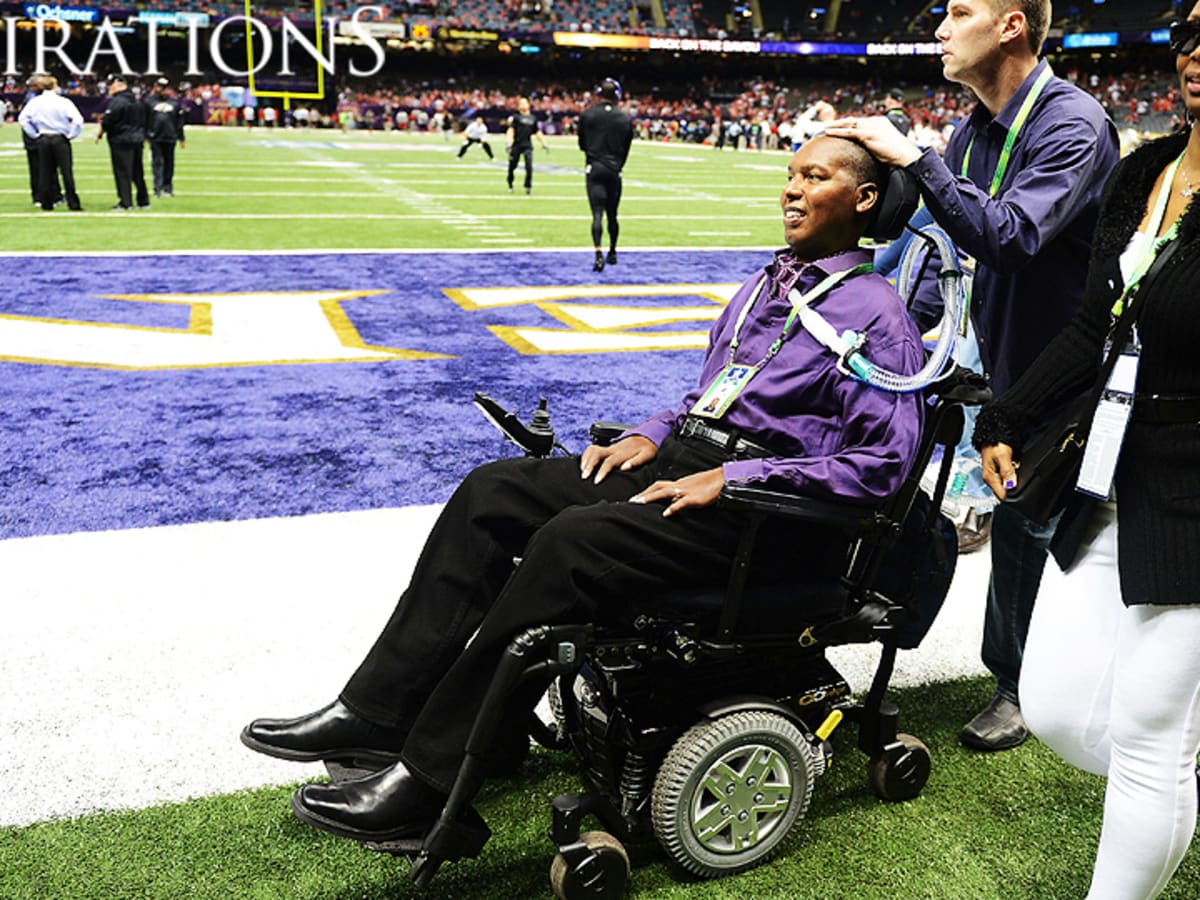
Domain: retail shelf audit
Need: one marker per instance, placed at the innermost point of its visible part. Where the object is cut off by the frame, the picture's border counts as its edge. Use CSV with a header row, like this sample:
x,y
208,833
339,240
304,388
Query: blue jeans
x,y
1019,551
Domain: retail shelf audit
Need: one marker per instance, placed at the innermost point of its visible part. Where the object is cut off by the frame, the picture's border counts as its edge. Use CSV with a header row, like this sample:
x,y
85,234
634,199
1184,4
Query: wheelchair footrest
x,y
340,771
464,838
409,847
447,841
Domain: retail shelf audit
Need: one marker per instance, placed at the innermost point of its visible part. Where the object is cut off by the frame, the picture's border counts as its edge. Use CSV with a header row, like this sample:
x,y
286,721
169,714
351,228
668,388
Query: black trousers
x,y
34,158
127,169
587,556
162,164
487,148
55,159
604,196
515,156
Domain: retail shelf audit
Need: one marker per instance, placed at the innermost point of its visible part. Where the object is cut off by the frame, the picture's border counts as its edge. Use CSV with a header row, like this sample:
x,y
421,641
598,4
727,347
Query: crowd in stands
x,y
761,114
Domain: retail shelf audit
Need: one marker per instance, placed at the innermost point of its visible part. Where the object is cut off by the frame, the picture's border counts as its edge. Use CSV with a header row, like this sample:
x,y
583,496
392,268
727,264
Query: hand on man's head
x,y
879,136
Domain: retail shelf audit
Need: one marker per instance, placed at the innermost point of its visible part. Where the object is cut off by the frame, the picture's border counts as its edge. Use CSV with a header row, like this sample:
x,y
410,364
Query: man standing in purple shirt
x,y
1018,190
624,521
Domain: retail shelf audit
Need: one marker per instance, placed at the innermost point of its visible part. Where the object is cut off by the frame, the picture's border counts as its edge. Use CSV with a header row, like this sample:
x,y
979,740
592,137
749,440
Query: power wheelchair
x,y
705,721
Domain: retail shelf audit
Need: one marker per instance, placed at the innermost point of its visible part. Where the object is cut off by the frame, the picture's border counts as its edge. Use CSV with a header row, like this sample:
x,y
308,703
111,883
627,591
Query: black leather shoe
x,y
598,265
999,726
612,257
386,806
333,732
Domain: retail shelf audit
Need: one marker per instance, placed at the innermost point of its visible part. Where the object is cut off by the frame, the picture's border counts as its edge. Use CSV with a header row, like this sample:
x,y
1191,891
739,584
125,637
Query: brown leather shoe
x,y
1000,726
975,532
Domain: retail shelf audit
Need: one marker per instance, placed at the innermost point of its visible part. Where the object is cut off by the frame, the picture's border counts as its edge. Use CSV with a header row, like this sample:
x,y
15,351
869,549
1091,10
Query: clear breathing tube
x,y
848,345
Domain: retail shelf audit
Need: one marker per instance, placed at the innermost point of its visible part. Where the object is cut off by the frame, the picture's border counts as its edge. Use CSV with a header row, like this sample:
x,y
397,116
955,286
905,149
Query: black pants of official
x,y
55,159
604,196
34,158
127,170
487,148
162,164
514,157
587,556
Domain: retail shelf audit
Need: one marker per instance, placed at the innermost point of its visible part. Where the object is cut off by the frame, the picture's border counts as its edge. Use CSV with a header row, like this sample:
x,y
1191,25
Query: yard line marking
x,y
343,251
154,214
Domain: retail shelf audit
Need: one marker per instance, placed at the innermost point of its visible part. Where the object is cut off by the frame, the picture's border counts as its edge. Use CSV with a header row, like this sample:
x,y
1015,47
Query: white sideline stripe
x,y
138,655
138,663
356,251
153,213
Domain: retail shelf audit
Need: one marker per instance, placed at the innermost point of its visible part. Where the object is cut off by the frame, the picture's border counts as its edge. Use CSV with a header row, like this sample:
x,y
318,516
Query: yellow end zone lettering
x,y
600,328
235,329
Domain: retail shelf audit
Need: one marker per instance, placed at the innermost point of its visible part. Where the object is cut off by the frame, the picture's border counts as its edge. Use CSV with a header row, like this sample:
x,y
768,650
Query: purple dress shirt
x,y
1031,242
837,437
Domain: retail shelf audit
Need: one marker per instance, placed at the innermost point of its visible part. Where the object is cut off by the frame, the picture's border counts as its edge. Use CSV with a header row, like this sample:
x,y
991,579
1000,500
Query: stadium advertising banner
x,y
61,13
703,45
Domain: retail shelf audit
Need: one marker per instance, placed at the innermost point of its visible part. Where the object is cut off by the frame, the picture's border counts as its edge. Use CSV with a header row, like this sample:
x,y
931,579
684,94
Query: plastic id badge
x,y
725,388
1108,429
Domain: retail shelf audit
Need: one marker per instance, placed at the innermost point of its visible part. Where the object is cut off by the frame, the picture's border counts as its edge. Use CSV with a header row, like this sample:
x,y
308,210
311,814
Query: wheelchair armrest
x,y
604,433
961,385
844,516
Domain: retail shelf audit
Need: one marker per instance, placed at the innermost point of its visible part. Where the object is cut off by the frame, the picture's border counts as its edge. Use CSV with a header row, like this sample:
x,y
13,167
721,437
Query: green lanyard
x,y
820,290
1015,129
1146,260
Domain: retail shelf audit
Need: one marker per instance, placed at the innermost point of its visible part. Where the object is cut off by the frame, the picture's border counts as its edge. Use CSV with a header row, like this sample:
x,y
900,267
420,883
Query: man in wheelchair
x,y
594,534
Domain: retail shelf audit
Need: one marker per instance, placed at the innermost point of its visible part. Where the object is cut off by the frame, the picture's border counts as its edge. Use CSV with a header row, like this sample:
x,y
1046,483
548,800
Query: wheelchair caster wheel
x,y
901,772
598,868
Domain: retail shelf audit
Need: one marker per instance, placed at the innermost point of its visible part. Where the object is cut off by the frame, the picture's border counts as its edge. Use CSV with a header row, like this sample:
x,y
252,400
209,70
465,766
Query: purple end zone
x,y
90,449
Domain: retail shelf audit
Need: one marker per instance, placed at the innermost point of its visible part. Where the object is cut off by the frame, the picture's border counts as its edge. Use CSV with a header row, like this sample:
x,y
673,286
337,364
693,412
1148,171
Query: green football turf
x,y
1012,825
266,189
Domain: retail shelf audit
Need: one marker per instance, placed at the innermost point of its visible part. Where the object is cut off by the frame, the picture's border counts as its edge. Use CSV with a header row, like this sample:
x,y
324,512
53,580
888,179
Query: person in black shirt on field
x,y
605,133
519,137
125,124
166,119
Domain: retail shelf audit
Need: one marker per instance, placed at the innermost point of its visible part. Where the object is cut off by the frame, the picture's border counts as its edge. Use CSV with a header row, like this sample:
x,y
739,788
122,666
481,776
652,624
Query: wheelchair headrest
x,y
899,197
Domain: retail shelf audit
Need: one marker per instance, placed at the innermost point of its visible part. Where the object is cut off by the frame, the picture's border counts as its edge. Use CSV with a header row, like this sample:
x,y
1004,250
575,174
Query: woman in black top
x,y
1111,673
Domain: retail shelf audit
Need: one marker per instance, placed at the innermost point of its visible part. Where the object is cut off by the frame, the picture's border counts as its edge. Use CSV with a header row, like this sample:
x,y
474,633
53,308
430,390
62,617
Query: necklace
x,y
1190,188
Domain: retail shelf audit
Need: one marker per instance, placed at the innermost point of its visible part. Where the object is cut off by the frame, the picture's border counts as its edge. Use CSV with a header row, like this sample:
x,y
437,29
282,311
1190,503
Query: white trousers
x,y
1115,690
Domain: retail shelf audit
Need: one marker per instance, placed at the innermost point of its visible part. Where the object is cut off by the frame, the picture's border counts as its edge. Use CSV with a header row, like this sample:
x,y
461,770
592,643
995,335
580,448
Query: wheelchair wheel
x,y
901,776
600,876
730,790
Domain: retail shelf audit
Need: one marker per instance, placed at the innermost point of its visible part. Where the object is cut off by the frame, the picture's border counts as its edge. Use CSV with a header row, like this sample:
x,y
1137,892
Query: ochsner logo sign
x,y
62,13
278,52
